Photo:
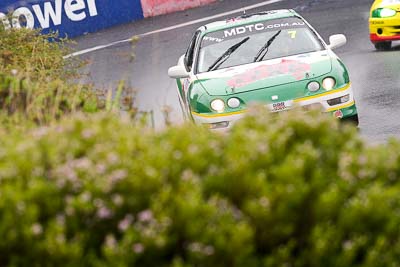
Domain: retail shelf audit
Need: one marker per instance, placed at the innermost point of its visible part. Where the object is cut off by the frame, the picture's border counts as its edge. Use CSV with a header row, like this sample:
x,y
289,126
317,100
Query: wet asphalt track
x,y
375,75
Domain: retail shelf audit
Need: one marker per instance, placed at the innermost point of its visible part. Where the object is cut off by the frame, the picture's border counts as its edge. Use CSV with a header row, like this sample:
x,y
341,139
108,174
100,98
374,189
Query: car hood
x,y
266,74
394,6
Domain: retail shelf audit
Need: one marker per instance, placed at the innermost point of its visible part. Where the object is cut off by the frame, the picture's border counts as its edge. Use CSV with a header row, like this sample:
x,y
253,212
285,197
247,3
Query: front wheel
x,y
383,46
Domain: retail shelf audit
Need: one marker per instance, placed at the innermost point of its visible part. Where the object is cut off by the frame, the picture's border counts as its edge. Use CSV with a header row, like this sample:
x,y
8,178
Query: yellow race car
x,y
384,23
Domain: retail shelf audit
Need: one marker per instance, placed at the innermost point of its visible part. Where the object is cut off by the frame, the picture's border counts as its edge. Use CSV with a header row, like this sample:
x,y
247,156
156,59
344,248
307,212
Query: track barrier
x,y
77,17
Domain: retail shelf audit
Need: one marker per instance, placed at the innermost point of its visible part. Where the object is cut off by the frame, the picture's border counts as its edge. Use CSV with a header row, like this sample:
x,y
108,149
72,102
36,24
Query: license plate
x,y
280,106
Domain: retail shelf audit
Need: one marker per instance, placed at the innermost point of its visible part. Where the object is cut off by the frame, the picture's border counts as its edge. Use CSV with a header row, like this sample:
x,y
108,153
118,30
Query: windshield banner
x,y
68,17
255,28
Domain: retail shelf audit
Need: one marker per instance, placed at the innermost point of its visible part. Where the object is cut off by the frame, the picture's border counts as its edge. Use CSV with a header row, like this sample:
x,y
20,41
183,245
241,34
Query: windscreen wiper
x,y
226,55
264,50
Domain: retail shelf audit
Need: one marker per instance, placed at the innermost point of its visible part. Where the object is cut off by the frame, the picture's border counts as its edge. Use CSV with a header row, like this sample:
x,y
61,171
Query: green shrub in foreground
x,y
36,85
38,57
23,101
286,190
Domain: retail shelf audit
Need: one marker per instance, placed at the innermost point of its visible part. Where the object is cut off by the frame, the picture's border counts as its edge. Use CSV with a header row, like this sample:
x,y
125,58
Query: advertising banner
x,y
158,7
69,17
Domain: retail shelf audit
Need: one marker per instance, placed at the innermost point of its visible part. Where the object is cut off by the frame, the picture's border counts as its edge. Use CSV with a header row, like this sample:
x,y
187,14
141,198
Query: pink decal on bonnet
x,y
294,68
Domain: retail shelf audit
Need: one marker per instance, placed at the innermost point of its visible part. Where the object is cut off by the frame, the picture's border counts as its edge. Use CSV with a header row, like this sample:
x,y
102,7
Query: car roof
x,y
248,19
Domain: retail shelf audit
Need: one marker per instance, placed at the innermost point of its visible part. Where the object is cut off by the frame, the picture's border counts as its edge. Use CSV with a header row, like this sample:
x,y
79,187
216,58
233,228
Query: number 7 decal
x,y
292,34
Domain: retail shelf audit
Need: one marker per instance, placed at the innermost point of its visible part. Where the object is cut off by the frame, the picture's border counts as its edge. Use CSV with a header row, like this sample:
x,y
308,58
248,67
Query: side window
x,y
189,56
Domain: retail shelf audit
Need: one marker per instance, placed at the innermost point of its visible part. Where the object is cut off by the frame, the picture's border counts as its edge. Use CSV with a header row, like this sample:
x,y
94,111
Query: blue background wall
x,y
110,12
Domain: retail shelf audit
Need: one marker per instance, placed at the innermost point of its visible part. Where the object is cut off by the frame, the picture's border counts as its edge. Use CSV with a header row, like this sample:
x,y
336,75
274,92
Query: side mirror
x,y
337,40
178,72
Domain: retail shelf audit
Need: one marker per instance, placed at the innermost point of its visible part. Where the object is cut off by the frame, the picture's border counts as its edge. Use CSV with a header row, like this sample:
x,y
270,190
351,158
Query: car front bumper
x,y
384,29
341,111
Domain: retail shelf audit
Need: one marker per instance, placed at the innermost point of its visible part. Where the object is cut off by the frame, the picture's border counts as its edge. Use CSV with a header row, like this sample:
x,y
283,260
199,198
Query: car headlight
x,y
383,13
233,102
328,83
218,105
313,86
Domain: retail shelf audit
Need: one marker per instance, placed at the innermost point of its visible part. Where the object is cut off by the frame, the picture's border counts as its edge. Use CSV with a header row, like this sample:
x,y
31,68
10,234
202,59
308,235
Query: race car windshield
x,y
294,38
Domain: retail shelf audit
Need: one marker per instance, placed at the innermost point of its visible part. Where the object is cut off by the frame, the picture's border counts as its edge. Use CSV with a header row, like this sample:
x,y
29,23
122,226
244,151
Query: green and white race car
x,y
274,57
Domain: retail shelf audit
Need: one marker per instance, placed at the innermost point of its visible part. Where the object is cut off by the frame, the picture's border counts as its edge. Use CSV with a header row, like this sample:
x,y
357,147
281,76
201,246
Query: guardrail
x,y
77,17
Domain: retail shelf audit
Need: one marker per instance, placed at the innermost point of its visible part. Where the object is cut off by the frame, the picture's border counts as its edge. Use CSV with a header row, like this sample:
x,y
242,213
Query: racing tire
x,y
353,120
383,46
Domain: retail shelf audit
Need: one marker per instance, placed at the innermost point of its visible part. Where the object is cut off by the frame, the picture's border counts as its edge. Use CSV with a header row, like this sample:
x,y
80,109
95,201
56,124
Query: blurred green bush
x,y
38,85
23,101
35,56
291,189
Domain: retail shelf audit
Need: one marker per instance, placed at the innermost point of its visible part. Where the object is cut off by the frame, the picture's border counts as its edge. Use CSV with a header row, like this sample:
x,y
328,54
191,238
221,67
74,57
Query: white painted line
x,y
85,51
